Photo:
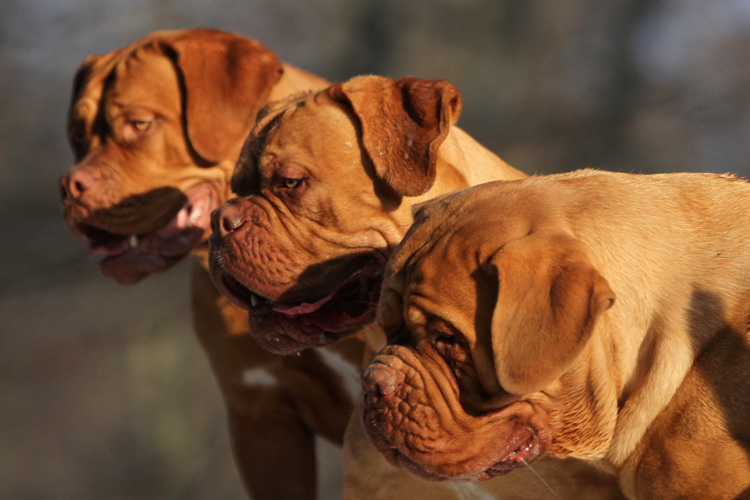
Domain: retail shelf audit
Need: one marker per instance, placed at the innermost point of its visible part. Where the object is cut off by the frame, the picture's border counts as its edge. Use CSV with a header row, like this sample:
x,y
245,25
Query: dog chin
x,y
516,448
288,327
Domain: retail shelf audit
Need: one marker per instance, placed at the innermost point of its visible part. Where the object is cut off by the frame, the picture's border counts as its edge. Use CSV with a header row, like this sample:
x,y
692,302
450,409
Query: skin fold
x,y
593,316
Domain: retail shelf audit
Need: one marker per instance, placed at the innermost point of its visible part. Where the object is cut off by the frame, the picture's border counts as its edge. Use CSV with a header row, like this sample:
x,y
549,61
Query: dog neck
x,y
295,81
462,162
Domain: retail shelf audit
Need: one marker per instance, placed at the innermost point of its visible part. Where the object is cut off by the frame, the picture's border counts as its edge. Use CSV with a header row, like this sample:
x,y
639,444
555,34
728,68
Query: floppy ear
x,y
549,297
404,122
227,79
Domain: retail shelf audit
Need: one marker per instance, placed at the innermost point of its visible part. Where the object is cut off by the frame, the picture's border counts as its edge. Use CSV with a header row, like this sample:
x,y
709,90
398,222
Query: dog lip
x,y
526,452
522,454
350,306
240,295
257,304
195,206
128,254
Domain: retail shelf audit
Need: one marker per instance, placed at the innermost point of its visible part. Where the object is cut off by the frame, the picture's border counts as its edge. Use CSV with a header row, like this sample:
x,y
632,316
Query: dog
x,y
590,315
156,128
326,183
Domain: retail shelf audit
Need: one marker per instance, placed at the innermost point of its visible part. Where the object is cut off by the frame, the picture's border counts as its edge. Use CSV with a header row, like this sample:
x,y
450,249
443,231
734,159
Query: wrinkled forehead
x,y
245,178
267,120
301,126
100,74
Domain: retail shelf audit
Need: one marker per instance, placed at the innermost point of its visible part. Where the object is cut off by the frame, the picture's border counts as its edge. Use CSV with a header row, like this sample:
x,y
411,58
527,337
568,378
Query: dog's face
x,y
155,128
323,199
488,321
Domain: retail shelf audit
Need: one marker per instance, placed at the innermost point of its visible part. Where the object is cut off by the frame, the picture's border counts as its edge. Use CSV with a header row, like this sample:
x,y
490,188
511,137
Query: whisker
x,y
540,478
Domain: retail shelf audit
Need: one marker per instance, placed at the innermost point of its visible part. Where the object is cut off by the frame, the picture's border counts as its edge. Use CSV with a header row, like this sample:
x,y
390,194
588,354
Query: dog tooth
x,y
254,300
133,241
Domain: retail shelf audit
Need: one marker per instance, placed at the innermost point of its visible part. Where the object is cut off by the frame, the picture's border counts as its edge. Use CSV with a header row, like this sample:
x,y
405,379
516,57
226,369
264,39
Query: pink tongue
x,y
303,308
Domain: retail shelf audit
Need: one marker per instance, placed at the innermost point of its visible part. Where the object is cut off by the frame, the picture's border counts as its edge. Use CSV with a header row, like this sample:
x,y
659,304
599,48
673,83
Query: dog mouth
x,y
524,447
404,421
314,322
129,257
522,455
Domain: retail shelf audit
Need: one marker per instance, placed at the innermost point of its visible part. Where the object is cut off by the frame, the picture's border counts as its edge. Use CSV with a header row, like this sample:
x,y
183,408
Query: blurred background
x,y
104,392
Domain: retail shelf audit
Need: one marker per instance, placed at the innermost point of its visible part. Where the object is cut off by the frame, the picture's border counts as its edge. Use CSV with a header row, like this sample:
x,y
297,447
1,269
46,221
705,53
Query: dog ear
x,y
404,122
549,297
227,78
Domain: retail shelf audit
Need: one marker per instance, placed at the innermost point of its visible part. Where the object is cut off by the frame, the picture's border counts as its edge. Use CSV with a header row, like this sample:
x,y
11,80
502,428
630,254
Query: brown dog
x,y
506,342
327,183
156,128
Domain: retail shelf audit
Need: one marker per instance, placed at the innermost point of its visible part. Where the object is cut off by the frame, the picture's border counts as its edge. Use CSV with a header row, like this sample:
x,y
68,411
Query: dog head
x,y
155,128
325,183
489,307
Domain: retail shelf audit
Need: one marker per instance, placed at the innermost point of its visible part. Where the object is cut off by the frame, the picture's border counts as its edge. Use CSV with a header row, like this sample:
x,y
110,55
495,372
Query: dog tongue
x,y
303,308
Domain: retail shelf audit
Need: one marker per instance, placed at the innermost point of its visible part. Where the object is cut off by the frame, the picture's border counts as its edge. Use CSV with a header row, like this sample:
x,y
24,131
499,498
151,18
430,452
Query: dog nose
x,y
226,219
380,380
74,184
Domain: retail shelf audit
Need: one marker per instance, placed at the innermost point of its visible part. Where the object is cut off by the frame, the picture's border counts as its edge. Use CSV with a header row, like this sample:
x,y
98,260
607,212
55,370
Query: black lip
x,y
98,236
352,296
243,295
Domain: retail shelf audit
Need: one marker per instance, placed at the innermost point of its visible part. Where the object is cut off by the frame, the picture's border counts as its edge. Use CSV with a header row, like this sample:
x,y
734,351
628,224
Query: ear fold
x,y
549,297
404,122
227,79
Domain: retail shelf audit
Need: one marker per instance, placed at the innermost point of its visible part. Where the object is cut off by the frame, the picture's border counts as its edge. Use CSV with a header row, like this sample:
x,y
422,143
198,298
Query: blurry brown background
x,y
104,393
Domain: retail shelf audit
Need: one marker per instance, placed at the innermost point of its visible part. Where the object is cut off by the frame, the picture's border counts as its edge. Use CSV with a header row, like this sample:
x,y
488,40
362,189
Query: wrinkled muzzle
x,y
299,290
413,416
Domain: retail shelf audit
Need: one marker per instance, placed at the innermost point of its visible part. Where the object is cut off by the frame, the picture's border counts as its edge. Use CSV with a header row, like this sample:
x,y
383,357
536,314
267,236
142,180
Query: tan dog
x,y
156,128
327,183
592,315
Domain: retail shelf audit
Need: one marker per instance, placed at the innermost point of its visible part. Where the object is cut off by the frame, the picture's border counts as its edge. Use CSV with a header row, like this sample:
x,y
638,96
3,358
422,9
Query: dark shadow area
x,y
710,411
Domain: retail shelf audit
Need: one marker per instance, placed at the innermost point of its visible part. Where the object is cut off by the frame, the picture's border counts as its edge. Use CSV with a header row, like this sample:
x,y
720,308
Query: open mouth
x,y
128,257
172,240
321,319
522,455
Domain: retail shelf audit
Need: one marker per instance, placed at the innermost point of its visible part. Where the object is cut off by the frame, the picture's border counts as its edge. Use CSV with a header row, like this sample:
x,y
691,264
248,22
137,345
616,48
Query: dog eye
x,y
291,183
445,338
141,125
